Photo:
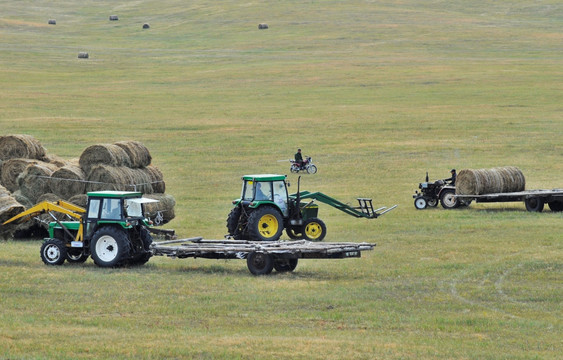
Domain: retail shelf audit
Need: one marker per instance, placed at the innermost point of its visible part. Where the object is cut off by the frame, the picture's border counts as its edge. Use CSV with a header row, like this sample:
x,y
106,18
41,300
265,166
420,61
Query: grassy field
x,y
379,93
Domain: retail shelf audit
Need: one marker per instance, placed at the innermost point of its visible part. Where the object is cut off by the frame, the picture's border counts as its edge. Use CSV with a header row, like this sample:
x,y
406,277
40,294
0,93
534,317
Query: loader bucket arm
x,y
364,210
46,206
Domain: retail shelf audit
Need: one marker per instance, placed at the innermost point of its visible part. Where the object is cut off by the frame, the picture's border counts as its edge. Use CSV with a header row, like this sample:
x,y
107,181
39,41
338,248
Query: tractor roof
x,y
116,194
264,177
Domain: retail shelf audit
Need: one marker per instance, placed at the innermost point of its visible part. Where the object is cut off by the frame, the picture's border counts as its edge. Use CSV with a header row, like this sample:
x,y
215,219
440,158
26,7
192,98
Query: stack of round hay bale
x,y
28,175
489,181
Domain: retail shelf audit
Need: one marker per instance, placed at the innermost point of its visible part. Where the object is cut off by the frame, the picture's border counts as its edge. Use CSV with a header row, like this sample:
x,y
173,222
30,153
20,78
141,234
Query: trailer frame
x,y
534,200
262,256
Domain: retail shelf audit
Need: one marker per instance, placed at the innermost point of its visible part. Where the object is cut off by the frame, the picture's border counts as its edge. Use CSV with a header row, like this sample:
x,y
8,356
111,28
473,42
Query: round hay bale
x,y
9,206
164,207
34,181
83,55
156,178
68,181
146,26
52,22
13,168
103,154
20,146
138,153
80,200
22,199
120,178
489,181
113,18
56,160
262,26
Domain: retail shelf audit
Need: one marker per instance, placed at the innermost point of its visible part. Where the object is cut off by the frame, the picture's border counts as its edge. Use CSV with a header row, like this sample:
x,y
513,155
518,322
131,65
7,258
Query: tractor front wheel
x,y
53,252
109,247
314,229
265,224
420,203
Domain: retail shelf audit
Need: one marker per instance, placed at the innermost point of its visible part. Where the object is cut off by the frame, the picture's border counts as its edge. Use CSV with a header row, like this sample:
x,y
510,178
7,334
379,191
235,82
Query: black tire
x,y
420,203
265,224
448,199
110,247
314,229
285,265
144,255
311,169
555,205
432,202
534,204
53,252
233,223
294,232
76,255
260,263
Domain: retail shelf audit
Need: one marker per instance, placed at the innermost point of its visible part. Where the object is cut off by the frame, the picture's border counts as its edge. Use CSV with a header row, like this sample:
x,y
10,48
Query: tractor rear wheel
x,y
53,252
109,247
260,263
285,265
314,229
233,223
448,199
265,224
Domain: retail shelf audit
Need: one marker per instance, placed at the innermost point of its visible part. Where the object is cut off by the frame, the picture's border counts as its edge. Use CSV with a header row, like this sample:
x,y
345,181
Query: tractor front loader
x,y
265,209
113,230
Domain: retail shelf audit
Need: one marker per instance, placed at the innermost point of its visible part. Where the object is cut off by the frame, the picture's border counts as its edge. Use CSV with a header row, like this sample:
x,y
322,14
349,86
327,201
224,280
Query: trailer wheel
x,y
260,263
448,199
294,232
265,224
420,203
534,204
555,205
285,265
76,256
109,247
53,252
314,229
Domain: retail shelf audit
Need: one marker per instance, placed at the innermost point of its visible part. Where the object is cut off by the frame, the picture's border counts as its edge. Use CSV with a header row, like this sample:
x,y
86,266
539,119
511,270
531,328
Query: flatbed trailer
x,y
533,199
261,256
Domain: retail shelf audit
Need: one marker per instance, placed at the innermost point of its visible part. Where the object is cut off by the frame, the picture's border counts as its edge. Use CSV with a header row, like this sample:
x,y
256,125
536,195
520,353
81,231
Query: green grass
x,y
378,93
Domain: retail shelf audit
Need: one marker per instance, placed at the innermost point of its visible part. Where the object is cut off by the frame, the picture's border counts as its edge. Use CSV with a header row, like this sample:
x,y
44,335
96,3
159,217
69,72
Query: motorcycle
x,y
306,165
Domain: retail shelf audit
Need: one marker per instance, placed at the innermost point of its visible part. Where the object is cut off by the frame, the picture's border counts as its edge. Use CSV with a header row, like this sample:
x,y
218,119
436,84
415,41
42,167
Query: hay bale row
x,y
121,178
139,155
489,181
34,181
11,170
9,206
68,181
21,146
107,154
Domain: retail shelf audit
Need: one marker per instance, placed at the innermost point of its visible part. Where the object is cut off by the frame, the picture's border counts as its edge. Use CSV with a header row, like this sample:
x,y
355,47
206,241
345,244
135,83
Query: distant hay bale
x,y
113,18
138,153
9,207
68,181
13,168
52,22
83,55
164,206
103,154
262,26
80,200
146,26
34,181
488,181
156,178
20,146
120,178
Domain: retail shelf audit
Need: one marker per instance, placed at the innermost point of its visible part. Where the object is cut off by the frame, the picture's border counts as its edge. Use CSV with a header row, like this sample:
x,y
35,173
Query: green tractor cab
x,y
265,209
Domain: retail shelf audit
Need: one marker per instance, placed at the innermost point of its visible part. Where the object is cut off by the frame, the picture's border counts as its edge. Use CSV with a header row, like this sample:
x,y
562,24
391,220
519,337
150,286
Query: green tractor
x,y
113,230
265,209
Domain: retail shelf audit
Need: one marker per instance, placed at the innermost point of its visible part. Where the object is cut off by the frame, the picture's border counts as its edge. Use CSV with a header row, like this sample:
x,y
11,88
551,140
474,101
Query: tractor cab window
x,y
280,196
263,191
94,209
133,209
248,190
111,209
